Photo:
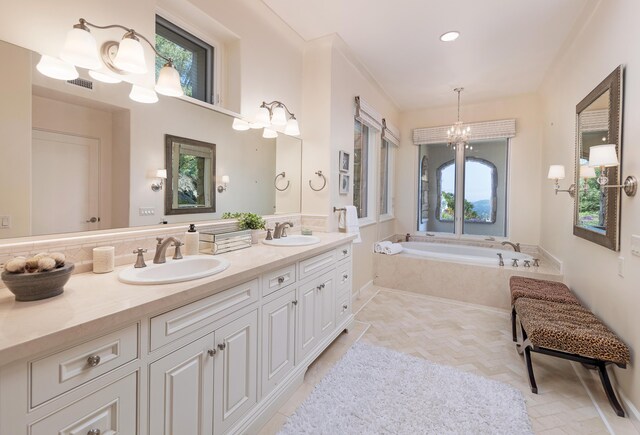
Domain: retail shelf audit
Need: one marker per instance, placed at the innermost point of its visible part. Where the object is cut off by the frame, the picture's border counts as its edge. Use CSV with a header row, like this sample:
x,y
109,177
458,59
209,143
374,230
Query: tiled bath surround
x,y
78,247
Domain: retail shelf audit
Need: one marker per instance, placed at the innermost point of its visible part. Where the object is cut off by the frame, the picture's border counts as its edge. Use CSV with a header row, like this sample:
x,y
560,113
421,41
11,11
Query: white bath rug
x,y
373,390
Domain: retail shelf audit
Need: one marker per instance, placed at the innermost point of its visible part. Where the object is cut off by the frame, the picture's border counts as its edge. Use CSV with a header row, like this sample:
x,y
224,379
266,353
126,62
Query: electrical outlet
x,y
621,267
5,222
635,245
147,211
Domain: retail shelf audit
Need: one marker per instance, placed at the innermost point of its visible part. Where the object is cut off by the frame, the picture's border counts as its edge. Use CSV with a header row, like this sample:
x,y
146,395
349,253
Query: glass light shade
x,y
104,77
56,68
143,95
240,124
161,173
263,118
169,82
255,125
603,155
556,172
292,128
279,116
269,133
225,179
80,49
130,56
587,171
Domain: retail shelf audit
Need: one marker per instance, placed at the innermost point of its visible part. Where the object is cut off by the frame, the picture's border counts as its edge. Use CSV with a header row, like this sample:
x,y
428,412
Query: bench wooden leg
x,y
527,358
611,395
513,325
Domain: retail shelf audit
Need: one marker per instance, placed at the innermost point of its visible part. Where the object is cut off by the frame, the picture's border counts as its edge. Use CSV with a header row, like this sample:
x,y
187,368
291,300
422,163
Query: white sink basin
x,y
191,267
293,240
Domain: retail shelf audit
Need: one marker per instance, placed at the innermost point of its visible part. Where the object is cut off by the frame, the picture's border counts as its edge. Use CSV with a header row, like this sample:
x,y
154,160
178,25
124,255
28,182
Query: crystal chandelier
x,y
458,134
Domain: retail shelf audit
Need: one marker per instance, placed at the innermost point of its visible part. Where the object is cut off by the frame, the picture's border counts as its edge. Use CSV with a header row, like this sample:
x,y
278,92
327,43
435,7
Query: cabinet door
x,y
235,389
307,333
278,340
181,390
326,304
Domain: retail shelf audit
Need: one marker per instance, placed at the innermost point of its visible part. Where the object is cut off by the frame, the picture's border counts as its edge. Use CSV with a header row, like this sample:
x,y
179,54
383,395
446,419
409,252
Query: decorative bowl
x,y
37,285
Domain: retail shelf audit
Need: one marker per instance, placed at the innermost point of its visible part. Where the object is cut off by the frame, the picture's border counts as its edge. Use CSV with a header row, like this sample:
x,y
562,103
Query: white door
x,y
307,333
181,391
65,176
326,304
278,340
235,390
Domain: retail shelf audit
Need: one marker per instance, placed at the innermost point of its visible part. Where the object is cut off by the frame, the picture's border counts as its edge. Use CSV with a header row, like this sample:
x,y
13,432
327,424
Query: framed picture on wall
x,y
345,183
344,161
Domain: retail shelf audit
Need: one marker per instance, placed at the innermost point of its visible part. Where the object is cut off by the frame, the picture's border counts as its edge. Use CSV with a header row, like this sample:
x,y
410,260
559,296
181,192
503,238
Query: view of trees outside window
x,y
360,168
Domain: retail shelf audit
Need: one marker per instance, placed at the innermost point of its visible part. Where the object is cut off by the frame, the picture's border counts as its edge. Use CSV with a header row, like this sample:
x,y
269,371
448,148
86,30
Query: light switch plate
x,y
147,211
5,222
635,245
621,267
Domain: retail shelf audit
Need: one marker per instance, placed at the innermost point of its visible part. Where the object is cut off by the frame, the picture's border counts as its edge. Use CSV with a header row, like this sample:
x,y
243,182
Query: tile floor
x,y
474,339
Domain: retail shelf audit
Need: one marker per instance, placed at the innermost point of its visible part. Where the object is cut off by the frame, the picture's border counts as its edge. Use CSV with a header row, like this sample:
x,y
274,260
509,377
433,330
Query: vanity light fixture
x,y
269,133
240,124
605,156
225,181
450,36
56,68
586,172
276,114
125,57
556,172
161,174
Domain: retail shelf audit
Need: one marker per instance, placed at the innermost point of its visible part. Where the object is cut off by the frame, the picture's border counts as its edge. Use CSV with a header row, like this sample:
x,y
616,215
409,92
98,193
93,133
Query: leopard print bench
x,y
571,332
552,291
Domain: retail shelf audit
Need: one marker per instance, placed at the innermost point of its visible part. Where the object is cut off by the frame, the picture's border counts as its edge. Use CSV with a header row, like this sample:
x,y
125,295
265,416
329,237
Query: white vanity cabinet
x,y
221,364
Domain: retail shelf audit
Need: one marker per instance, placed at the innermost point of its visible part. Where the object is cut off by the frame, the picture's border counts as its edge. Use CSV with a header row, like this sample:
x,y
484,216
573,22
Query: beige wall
x,y
608,39
524,161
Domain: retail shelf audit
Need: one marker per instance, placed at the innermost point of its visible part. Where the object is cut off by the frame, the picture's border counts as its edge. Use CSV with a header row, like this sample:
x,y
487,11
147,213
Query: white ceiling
x,y
505,47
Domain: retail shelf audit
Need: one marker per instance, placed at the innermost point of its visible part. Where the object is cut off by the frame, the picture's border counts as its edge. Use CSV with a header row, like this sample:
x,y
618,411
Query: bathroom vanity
x,y
211,356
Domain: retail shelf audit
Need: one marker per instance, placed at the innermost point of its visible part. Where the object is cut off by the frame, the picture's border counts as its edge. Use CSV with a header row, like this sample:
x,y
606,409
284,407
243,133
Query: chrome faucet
x,y
515,246
280,229
161,249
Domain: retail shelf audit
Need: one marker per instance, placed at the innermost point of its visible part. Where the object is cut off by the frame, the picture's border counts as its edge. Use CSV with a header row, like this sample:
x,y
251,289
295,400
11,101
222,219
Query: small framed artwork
x,y
344,161
345,183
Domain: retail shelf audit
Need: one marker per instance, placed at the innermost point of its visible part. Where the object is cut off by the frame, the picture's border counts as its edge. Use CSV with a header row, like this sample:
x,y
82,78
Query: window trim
x,y
372,155
390,214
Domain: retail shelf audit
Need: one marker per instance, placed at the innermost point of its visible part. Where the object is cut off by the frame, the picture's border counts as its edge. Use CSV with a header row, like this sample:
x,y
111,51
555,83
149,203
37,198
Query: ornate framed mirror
x,y
598,122
191,176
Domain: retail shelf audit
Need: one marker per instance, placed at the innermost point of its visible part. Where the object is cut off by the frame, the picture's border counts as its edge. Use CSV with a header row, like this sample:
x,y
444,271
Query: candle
x,y
103,259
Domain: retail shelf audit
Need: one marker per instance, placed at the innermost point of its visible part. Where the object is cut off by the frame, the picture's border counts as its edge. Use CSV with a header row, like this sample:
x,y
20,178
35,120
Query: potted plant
x,y
248,221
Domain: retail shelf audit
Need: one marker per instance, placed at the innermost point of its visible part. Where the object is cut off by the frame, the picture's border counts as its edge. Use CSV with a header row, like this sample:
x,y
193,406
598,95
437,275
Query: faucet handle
x,y
527,263
515,262
177,255
536,262
501,261
269,236
140,259
140,251
159,239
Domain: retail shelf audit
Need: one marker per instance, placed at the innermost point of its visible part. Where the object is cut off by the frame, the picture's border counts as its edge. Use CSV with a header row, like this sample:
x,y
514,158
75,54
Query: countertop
x,y
93,303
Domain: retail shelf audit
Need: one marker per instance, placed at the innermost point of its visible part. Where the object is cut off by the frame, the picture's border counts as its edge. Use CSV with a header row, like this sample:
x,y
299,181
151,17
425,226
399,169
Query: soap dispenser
x,y
192,241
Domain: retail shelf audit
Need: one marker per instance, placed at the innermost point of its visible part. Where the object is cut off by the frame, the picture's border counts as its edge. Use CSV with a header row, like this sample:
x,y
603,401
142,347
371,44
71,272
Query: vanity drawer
x,y
315,264
344,251
344,278
63,371
272,281
182,321
343,307
109,411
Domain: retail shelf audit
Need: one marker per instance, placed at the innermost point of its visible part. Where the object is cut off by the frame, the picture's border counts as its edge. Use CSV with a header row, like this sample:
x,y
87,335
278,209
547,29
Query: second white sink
x,y
293,240
186,269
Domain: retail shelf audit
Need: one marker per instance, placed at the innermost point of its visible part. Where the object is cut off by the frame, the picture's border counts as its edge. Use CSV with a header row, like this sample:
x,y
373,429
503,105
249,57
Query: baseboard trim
x,y
552,258
367,286
633,413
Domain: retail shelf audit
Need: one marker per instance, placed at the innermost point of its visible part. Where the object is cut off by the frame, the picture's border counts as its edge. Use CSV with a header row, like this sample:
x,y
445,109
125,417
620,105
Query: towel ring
x,y
319,174
275,182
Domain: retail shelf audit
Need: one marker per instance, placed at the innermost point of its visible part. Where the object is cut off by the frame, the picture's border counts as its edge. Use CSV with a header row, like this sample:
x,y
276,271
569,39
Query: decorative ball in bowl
x,y
29,283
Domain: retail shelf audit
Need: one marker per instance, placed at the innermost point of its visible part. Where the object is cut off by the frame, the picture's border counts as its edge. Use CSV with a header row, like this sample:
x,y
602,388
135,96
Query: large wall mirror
x,y
82,156
598,122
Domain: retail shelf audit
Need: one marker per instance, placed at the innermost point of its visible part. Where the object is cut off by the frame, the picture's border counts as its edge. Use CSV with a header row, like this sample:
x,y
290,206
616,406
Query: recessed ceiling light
x,y
449,36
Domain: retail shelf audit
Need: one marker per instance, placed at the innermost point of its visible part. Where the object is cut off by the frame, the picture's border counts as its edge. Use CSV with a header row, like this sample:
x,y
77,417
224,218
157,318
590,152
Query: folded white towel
x,y
349,222
378,247
394,248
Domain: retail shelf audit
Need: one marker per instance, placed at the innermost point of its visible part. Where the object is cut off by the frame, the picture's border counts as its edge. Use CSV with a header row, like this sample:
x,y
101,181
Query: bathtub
x,y
463,253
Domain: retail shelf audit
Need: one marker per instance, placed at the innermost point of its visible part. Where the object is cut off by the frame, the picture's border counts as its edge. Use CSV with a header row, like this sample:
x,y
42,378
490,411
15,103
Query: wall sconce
x,y
586,172
605,156
556,172
162,175
271,116
125,57
225,182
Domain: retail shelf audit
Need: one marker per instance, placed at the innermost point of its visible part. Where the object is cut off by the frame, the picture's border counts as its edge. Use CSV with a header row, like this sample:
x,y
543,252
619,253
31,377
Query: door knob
x,y
93,220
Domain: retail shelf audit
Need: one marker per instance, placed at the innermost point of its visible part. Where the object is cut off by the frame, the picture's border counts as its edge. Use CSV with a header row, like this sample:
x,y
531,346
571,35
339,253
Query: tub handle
x,y
527,263
501,262
536,262
515,262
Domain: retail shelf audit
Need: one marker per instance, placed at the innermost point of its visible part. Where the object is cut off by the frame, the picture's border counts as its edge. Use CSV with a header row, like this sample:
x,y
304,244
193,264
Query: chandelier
x,y
458,134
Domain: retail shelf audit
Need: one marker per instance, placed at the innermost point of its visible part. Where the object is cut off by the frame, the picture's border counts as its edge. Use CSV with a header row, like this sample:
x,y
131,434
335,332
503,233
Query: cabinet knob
x,y
93,360
222,346
211,352
94,432
345,252
280,279
345,276
320,287
345,306
294,302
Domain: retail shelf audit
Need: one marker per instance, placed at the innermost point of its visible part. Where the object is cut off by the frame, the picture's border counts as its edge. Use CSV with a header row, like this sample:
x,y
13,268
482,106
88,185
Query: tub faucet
x,y
279,230
161,249
407,237
515,246
501,262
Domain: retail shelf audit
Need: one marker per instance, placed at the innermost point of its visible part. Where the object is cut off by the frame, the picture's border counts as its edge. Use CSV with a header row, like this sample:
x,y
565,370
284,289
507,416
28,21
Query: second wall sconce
x,y
161,174
605,156
556,172
225,181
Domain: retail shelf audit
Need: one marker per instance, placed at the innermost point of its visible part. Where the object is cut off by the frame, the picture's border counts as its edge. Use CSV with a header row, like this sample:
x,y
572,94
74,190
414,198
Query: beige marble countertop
x,y
93,303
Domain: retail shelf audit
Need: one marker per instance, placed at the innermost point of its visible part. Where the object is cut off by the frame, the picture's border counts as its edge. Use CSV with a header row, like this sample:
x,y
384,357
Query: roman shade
x,y
367,114
390,133
486,130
